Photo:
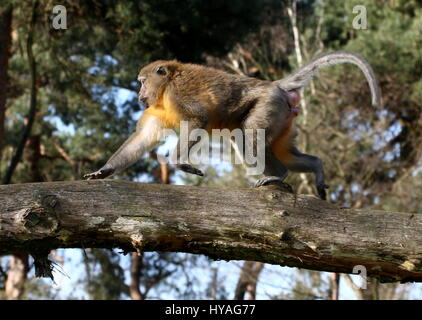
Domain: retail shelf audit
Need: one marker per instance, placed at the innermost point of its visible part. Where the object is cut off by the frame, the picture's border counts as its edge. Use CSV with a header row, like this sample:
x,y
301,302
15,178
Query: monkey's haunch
x,y
293,98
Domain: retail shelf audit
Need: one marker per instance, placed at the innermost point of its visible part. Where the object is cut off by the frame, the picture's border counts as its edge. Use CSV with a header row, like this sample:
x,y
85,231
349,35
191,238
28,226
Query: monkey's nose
x,y
143,98
142,95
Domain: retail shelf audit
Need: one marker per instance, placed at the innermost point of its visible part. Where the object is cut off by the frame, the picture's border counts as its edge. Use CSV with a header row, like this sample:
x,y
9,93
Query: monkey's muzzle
x,y
142,96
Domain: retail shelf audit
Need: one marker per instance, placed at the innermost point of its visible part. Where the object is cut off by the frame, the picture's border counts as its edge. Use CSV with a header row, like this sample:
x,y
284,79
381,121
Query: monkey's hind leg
x,y
274,173
271,115
302,162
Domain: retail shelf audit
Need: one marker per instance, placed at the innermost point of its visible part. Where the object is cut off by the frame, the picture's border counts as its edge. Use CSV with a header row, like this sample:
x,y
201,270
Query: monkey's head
x,y
153,79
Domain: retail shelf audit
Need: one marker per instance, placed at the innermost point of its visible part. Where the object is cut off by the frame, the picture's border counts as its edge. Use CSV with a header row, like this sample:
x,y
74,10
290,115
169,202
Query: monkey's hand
x,y
100,174
189,169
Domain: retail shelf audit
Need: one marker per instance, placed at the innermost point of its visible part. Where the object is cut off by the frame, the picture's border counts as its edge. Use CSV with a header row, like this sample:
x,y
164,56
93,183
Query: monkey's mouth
x,y
144,101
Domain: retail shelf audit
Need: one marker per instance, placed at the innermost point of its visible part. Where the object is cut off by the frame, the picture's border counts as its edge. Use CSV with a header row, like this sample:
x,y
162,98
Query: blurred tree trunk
x,y
16,277
34,148
248,280
372,290
334,292
213,286
33,98
135,273
5,45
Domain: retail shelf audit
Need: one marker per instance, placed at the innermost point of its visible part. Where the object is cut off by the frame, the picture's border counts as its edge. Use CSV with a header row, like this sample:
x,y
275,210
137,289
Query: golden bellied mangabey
x,y
208,98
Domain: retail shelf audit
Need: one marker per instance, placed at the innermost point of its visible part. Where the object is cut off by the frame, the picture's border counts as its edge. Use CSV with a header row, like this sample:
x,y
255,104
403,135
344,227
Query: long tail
x,y
300,78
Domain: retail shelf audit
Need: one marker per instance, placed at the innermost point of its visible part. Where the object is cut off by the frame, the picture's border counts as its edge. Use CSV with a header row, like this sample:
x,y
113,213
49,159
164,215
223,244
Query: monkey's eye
x,y
161,71
141,80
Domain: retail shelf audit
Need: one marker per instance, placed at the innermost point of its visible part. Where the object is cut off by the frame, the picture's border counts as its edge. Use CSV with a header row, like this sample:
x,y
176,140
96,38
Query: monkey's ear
x,y
161,71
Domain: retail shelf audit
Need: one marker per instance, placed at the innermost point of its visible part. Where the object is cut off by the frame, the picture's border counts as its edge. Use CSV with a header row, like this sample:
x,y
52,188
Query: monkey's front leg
x,y
147,135
116,161
183,158
184,147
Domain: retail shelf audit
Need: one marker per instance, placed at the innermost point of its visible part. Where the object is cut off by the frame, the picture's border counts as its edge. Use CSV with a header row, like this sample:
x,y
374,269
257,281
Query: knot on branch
x,y
41,216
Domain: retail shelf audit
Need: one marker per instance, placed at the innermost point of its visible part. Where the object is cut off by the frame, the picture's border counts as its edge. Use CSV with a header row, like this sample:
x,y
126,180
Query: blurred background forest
x,y
68,99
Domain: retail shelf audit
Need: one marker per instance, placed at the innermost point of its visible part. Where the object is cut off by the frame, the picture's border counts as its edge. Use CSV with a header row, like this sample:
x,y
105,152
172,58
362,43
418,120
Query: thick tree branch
x,y
264,225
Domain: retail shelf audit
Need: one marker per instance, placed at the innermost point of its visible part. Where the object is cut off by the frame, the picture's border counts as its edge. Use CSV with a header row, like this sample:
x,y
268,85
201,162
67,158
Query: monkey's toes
x,y
273,180
199,173
93,175
189,169
321,191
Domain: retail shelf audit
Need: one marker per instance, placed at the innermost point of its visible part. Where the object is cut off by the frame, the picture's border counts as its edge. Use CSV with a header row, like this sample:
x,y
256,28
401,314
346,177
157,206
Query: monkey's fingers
x,y
93,175
189,169
100,174
321,191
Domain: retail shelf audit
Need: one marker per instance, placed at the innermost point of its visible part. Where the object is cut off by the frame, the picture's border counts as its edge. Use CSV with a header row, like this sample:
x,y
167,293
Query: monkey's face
x,y
153,79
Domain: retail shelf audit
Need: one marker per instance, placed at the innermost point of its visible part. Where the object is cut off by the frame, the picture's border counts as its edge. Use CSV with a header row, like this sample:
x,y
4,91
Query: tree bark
x,y
265,225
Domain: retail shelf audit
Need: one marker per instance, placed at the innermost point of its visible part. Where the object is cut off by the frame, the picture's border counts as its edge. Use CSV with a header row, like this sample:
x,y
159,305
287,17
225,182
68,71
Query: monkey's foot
x,y
321,191
100,174
273,180
189,169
